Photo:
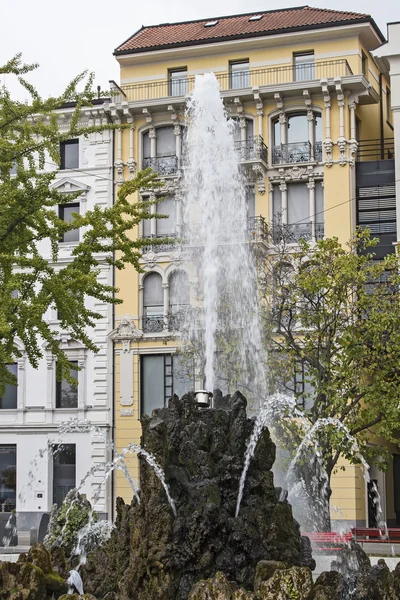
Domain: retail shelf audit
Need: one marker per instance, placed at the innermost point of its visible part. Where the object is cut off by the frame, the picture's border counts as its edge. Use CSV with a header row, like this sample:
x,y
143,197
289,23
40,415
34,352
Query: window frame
x,y
63,144
388,106
233,74
364,64
12,447
61,208
58,389
9,385
180,82
306,65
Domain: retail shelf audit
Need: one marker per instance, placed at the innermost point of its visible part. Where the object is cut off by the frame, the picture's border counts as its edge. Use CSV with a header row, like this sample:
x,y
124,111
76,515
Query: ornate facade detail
x,y
353,149
126,412
260,177
282,118
311,184
342,145
283,186
177,129
310,115
131,164
126,333
150,258
328,145
152,133
296,173
119,167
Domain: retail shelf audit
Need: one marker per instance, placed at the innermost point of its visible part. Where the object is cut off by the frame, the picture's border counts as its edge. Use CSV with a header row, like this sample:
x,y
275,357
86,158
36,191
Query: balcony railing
x,y
257,229
252,149
153,324
378,149
249,79
163,165
318,151
293,233
170,240
296,152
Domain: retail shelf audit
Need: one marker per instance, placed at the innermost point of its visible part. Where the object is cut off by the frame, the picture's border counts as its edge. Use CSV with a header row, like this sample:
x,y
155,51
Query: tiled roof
x,y
237,26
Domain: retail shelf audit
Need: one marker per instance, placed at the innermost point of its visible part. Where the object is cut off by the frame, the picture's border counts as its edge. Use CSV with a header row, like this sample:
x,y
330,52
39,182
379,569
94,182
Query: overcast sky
x,y
66,38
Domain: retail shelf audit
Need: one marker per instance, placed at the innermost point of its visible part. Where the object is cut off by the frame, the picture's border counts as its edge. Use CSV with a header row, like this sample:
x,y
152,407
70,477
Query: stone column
x,y
311,190
153,222
284,202
311,131
153,142
178,142
166,305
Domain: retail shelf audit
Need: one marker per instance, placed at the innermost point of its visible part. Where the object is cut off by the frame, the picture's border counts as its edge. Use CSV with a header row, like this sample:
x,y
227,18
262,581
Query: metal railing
x,y
252,149
318,151
295,152
249,79
168,245
176,320
153,323
163,165
376,149
257,229
292,233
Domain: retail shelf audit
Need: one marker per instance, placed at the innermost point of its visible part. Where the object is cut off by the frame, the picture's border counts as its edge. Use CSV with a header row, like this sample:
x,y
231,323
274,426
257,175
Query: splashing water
x,y
215,214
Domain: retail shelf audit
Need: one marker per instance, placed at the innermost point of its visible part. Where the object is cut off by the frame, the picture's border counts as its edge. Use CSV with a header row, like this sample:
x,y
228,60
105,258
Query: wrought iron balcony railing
x,y
168,245
163,165
292,233
318,151
252,149
153,323
177,319
296,152
248,80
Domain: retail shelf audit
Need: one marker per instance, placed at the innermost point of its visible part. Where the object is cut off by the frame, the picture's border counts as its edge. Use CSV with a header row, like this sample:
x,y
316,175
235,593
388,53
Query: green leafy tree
x,y
29,283
334,313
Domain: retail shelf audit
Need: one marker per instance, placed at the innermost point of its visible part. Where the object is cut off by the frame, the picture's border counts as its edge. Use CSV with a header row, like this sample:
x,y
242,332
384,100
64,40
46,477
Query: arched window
x,y
153,303
294,140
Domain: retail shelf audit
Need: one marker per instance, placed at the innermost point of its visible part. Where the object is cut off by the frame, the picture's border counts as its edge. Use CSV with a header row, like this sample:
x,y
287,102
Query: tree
x,y
334,314
30,284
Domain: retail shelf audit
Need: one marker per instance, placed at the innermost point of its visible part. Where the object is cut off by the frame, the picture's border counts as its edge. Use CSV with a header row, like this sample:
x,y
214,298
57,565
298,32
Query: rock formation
x,y
152,554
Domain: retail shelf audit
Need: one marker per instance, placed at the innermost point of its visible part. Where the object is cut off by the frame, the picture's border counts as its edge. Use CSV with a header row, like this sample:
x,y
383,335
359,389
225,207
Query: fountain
x,y
206,521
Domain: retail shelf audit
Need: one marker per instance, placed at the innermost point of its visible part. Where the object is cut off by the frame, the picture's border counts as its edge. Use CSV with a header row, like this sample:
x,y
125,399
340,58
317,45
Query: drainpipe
x,y
381,118
113,351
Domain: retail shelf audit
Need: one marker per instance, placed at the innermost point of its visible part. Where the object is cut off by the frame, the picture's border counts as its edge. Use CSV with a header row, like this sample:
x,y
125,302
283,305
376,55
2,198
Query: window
x,y
364,64
8,477
293,140
163,227
303,66
153,304
178,83
388,106
67,393
10,397
298,219
298,199
239,74
165,161
69,151
179,299
66,212
64,471
163,375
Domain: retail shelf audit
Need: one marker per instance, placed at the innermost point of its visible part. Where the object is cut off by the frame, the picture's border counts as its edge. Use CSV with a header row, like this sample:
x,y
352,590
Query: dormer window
x,y
211,23
255,18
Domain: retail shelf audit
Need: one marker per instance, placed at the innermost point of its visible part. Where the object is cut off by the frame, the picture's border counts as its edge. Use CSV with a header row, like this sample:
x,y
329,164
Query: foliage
x,y
336,311
32,282
67,520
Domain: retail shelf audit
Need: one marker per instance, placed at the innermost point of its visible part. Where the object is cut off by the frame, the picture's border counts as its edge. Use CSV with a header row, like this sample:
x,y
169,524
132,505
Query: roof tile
x,y
192,32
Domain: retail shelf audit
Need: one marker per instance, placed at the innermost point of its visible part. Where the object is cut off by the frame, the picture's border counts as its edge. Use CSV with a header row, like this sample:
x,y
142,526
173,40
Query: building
x,y
312,105
31,478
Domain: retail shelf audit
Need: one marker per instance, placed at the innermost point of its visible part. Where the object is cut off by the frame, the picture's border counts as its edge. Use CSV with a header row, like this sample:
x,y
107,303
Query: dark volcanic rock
x,y
154,555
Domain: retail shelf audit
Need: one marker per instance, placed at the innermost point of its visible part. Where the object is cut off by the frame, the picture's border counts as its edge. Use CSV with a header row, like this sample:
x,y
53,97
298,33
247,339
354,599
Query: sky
x,y
68,38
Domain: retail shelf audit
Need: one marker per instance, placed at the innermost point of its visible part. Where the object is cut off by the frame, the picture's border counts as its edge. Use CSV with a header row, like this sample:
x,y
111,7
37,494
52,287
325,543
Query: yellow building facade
x,y
310,104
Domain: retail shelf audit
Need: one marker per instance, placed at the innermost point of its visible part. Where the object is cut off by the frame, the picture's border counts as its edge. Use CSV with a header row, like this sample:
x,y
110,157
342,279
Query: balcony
x,y
248,79
257,229
163,165
292,234
169,243
252,149
297,152
159,324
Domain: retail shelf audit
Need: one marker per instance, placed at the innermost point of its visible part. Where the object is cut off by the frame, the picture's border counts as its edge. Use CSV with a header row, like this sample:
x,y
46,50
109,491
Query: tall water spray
x,y
216,221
